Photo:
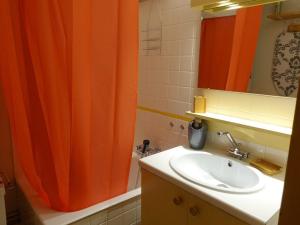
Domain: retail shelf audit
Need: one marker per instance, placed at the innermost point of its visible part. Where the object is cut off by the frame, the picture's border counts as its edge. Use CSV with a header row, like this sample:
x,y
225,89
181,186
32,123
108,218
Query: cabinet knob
x,y
194,211
177,200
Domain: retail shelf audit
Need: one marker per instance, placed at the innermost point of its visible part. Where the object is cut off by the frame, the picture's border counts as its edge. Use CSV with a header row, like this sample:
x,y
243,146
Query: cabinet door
x,y
162,203
203,213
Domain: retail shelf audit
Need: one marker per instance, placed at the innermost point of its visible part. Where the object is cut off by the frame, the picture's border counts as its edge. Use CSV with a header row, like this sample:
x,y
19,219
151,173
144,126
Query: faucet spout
x,y
230,138
235,150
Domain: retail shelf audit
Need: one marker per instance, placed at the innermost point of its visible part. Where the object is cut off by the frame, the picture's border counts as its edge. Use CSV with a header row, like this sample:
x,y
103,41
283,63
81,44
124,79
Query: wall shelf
x,y
243,122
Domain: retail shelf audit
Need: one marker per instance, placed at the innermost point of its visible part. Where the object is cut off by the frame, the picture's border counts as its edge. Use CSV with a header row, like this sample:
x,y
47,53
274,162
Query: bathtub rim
x,y
49,216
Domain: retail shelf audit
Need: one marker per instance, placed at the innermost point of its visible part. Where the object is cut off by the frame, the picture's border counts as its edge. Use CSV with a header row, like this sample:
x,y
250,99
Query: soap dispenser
x,y
197,134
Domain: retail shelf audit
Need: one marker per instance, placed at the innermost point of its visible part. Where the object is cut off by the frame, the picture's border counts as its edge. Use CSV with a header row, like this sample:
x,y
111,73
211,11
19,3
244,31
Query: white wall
x,y
166,79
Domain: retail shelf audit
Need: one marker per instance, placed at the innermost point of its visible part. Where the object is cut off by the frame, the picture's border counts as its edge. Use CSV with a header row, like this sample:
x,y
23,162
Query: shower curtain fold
x,y
69,75
246,34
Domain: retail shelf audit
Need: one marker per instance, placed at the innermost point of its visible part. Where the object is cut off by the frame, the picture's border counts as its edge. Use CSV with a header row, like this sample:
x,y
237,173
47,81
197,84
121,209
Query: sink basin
x,y
217,172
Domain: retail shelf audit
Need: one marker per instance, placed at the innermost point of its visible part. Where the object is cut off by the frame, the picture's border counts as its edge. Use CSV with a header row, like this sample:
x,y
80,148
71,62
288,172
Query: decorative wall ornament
x,y
286,63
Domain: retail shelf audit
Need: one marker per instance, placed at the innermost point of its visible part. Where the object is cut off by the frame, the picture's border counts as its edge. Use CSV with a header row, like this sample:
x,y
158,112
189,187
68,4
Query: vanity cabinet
x,y
164,203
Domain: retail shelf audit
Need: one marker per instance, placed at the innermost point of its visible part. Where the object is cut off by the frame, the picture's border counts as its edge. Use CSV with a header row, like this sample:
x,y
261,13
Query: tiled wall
x,y
167,78
157,128
168,82
164,132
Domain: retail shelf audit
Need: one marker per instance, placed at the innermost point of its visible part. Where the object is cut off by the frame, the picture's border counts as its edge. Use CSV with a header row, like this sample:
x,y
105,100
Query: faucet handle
x,y
236,153
246,155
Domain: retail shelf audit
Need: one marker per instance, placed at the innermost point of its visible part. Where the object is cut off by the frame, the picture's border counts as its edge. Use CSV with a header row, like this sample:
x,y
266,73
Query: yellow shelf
x,y
243,122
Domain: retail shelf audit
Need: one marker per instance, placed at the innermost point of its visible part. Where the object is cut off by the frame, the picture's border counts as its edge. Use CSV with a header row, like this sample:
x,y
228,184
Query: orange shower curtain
x,y
215,51
246,33
69,73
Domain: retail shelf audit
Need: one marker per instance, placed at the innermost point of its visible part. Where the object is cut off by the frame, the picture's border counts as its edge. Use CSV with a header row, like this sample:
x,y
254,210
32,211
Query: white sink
x,y
217,172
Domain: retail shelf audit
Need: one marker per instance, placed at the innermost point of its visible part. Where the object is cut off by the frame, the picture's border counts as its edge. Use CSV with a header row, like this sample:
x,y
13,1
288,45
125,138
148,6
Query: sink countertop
x,y
256,208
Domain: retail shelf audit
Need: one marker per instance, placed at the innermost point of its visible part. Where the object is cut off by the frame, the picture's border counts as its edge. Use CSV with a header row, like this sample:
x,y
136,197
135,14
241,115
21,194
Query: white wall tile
x,y
187,47
186,78
186,63
173,48
174,69
272,155
276,156
174,78
187,30
187,14
174,63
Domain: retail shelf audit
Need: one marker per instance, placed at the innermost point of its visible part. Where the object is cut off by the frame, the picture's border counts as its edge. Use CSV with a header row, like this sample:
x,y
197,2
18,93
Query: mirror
x,y
255,50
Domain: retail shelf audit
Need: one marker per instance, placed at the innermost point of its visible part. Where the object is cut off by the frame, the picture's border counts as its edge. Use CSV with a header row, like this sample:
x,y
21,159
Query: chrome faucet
x,y
145,150
235,149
